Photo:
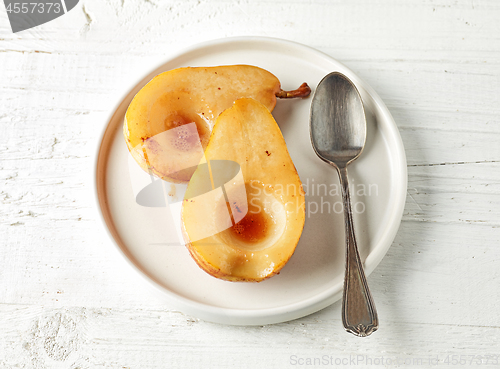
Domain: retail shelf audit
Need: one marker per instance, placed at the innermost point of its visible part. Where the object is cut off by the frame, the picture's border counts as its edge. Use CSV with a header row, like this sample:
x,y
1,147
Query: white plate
x,y
313,278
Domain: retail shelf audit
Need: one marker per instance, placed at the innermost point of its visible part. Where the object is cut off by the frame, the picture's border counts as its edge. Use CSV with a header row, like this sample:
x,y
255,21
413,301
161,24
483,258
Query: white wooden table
x,y
68,301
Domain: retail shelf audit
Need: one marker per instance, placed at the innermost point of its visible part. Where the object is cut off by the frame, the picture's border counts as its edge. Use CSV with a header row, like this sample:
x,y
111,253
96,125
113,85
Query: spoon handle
x,y
359,315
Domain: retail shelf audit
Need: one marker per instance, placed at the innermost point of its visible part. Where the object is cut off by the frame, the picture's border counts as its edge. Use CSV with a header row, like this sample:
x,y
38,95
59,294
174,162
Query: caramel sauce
x,y
254,227
185,140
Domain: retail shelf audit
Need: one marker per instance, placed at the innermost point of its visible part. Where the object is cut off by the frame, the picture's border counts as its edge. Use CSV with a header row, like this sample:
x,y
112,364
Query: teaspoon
x,y
338,135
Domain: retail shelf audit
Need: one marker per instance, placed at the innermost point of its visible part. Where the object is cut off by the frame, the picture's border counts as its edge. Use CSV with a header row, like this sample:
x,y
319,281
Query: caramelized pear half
x,y
196,97
243,212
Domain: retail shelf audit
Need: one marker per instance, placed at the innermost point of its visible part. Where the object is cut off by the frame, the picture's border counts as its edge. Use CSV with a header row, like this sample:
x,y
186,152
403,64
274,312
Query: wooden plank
x,y
37,337
68,300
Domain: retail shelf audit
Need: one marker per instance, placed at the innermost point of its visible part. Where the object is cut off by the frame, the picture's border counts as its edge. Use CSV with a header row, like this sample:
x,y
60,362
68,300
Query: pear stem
x,y
303,91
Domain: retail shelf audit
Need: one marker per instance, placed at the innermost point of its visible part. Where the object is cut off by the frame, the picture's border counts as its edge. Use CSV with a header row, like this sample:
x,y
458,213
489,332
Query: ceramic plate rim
x,y
284,312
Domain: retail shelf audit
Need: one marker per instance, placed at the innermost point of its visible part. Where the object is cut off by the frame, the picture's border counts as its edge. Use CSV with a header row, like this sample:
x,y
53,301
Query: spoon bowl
x,y
338,135
338,123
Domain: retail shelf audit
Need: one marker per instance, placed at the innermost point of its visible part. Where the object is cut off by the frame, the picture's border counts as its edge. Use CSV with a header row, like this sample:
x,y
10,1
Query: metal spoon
x,y
338,135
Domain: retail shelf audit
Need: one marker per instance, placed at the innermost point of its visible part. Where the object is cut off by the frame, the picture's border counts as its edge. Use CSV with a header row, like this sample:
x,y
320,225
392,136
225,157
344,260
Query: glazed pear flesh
x,y
191,95
264,199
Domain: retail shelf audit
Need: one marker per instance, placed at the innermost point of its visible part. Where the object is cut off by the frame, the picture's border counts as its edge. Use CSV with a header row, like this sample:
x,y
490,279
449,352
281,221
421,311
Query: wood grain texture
x,y
68,301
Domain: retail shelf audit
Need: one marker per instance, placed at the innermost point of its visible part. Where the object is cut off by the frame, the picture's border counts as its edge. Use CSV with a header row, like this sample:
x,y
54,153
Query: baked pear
x,y
195,97
243,212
